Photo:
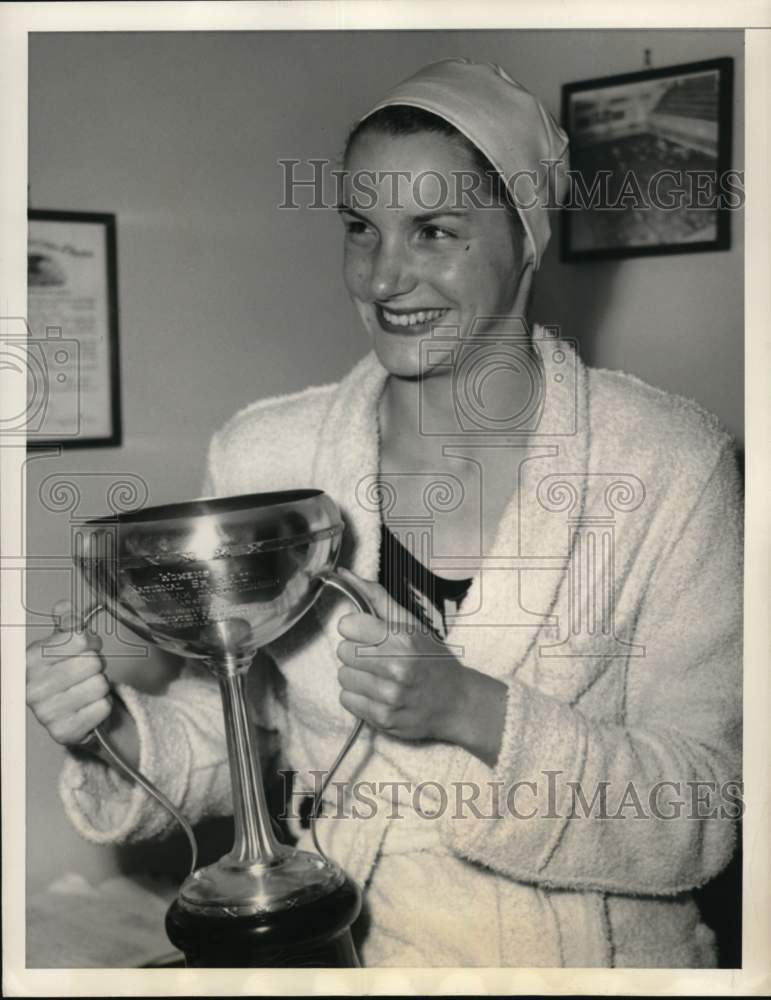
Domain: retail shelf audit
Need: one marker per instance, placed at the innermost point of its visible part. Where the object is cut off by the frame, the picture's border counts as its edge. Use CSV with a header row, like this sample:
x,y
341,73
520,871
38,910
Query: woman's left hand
x,y
396,675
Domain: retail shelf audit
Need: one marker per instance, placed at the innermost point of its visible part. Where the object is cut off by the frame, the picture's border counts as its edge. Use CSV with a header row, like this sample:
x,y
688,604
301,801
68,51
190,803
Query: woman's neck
x,y
415,413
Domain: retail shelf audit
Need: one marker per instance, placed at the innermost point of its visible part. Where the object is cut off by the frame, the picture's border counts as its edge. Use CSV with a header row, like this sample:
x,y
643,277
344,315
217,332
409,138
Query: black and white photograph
x,y
653,152
394,628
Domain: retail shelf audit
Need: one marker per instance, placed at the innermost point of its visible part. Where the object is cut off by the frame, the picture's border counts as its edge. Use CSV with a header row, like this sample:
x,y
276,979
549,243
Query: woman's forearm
x,y
477,725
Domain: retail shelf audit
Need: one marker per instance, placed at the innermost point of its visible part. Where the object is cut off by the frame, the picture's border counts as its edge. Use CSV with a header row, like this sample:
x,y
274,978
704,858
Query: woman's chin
x,y
399,355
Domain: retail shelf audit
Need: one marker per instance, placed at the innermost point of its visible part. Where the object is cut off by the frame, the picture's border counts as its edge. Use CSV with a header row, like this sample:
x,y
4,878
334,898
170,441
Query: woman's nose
x,y
391,272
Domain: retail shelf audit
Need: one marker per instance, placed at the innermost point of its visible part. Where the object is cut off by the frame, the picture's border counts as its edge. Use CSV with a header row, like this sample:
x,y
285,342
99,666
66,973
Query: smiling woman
x,y
558,618
407,269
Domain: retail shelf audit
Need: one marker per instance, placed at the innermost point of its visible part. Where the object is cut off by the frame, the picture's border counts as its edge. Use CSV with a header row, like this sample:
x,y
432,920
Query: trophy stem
x,y
254,841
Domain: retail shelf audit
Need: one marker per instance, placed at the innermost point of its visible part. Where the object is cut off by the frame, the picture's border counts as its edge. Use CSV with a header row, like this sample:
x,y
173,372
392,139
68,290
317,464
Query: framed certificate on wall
x,y
72,317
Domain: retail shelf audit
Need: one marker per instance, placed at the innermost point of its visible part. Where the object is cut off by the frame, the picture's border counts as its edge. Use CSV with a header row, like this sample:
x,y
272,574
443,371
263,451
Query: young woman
x,y
552,679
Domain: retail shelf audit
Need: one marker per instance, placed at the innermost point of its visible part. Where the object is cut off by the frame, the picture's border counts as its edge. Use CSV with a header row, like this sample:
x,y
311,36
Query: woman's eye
x,y
435,233
355,227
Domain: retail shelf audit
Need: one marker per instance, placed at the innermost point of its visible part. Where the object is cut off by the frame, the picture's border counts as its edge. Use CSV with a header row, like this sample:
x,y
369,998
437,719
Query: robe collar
x,y
515,585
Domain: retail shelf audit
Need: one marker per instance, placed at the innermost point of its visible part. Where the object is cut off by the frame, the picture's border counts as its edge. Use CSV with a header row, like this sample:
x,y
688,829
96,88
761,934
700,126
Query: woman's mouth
x,y
417,321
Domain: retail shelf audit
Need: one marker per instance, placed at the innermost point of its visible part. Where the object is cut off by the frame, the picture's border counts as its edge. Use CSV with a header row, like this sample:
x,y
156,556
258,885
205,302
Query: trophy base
x,y
311,934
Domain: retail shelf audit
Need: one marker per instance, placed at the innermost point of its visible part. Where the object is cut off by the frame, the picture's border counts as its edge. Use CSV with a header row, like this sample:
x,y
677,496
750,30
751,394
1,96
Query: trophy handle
x,y
99,744
362,604
96,741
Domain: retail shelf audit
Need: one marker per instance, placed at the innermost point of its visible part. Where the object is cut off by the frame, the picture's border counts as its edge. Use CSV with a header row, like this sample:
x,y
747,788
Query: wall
x,y
223,298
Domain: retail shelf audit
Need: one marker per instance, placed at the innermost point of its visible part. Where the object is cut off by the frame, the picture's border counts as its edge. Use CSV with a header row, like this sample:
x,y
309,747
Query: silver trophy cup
x,y
214,580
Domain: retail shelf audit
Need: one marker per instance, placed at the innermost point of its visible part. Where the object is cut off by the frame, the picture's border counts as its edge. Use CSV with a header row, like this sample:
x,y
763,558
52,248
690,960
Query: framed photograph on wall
x,y
72,356
650,162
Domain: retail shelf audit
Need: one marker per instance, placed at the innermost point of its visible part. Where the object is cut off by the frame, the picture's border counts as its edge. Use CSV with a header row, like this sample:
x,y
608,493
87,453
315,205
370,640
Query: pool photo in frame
x,y
650,169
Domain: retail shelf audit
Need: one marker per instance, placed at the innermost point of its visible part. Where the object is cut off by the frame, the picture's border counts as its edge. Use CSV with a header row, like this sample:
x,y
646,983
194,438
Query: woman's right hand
x,y
68,692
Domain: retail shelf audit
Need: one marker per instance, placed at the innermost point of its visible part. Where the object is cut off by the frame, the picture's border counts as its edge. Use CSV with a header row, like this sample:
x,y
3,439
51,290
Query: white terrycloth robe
x,y
610,604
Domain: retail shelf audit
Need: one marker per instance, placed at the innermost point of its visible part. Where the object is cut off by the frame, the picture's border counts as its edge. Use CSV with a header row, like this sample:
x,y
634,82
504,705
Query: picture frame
x,y
72,350
650,163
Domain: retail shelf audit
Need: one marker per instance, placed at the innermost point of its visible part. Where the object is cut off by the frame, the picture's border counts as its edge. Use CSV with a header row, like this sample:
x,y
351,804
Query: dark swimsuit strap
x,y
403,575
